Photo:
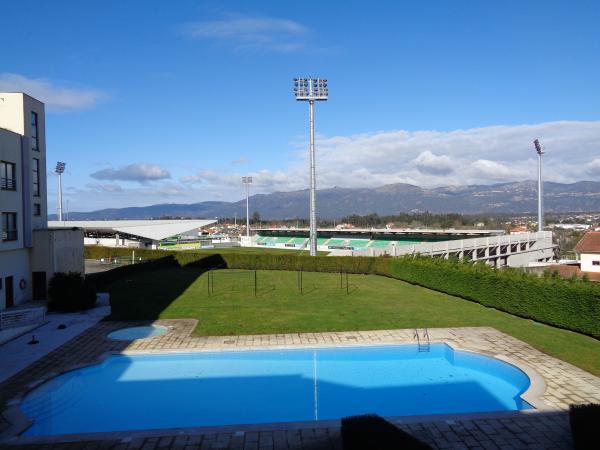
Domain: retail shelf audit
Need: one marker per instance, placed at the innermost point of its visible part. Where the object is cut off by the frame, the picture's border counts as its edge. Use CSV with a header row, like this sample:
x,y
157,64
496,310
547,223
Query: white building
x,y
24,266
588,251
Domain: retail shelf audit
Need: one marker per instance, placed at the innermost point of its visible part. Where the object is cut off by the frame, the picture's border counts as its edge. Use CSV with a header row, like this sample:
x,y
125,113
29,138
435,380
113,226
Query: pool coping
x,y
20,421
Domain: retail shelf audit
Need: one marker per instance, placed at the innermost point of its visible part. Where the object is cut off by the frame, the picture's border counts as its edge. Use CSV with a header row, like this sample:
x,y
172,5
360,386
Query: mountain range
x,y
333,203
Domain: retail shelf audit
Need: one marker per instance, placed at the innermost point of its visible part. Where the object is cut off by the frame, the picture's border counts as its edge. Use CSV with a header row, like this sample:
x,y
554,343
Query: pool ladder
x,y
423,340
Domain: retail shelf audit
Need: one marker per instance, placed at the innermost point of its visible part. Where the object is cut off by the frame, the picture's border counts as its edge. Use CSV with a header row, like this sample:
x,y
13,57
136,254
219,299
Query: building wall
x,y
15,263
57,251
587,259
16,146
12,200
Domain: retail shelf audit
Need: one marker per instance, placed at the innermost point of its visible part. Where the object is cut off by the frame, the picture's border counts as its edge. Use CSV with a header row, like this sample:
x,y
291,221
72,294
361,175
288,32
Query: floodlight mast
x,y
311,90
247,181
59,170
540,151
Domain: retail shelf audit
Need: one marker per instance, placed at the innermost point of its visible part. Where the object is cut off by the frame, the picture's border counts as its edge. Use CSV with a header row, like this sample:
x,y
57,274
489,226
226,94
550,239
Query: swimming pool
x,y
202,389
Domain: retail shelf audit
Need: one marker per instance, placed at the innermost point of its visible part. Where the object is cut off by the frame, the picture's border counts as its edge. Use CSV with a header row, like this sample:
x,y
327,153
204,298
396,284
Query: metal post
x,y
347,289
208,284
255,283
540,195
60,215
247,210
212,282
313,183
540,151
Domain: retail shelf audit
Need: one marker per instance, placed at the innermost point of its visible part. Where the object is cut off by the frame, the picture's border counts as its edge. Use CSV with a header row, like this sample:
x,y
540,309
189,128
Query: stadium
x,y
492,246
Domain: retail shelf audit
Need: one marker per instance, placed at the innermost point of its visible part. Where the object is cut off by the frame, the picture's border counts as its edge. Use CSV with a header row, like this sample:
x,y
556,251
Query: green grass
x,y
374,302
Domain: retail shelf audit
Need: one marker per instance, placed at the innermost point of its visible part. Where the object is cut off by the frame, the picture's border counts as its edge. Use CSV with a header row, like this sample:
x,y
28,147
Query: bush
x,y
70,292
572,305
584,421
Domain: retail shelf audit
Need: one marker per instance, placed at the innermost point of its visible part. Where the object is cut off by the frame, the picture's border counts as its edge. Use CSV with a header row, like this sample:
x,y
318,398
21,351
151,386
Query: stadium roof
x,y
156,230
388,231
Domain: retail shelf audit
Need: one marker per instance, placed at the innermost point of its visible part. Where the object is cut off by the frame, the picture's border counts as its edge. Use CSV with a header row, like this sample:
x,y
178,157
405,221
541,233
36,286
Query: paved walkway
x,y
17,354
564,385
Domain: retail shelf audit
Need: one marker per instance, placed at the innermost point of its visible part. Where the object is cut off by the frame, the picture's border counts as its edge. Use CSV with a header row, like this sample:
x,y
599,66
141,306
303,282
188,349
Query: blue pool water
x,y
131,333
202,389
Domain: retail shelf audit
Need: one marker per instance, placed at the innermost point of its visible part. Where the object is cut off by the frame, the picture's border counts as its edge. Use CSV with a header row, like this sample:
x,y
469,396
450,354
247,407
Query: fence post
x,y
341,279
301,284
255,283
208,283
347,290
212,281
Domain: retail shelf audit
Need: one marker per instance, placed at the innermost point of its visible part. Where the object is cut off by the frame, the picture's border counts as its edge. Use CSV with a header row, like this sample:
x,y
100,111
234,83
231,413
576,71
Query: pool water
x,y
132,333
204,389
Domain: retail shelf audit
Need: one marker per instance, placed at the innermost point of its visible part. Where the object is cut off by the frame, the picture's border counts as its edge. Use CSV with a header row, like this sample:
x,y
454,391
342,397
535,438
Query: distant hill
x,y
512,198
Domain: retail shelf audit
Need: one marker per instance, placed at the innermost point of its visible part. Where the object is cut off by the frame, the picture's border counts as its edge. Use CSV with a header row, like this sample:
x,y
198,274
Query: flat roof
x,y
156,230
393,231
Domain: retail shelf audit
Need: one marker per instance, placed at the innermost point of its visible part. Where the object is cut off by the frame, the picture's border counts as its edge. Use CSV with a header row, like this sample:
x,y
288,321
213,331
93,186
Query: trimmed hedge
x,y
569,304
71,292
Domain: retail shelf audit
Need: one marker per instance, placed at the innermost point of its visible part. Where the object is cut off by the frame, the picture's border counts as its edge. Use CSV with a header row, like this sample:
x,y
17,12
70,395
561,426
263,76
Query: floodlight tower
x,y
311,90
59,170
247,181
540,151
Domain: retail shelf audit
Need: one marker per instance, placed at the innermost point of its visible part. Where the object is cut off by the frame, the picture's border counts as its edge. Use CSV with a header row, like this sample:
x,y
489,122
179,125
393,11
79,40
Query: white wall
x,y
15,263
586,262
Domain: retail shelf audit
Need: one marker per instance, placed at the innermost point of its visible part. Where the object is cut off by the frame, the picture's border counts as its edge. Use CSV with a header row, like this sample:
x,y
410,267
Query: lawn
x,y
373,302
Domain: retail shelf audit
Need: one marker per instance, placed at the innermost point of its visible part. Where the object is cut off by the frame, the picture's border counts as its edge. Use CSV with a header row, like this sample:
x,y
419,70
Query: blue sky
x,y
152,102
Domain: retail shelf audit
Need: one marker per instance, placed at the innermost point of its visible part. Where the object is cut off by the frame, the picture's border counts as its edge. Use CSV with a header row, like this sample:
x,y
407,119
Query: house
x,y
588,251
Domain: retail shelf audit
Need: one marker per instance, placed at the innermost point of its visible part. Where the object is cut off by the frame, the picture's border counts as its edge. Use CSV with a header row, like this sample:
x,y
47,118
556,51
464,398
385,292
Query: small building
x,y
588,251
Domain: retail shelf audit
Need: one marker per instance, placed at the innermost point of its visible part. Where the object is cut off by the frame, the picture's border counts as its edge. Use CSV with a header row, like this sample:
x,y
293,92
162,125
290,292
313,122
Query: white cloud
x,y
140,173
265,33
424,158
593,168
427,162
56,97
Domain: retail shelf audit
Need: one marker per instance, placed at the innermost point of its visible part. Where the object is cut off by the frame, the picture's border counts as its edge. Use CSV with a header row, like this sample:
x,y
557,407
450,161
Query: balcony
x,y
8,184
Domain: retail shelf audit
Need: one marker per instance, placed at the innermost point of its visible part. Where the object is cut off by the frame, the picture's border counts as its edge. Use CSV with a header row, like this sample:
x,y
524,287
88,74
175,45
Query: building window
x,y
35,141
595,263
36,177
8,177
37,209
9,226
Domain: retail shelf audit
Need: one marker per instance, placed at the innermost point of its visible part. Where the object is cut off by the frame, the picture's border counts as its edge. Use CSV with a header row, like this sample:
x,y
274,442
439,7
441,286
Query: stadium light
x,y
59,170
247,181
311,90
540,151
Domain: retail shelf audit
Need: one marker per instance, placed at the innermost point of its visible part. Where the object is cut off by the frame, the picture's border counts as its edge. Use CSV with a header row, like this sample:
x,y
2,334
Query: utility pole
x,y
540,151
60,169
311,90
247,181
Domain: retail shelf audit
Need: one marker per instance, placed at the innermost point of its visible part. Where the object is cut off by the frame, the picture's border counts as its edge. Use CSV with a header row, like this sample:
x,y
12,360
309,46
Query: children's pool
x,y
223,388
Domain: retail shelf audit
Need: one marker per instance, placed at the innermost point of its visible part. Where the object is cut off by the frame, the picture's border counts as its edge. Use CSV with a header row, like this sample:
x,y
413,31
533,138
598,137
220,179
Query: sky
x,y
173,102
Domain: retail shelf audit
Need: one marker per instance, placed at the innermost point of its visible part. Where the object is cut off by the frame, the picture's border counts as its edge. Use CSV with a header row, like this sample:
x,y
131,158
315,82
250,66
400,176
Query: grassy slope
x,y
374,303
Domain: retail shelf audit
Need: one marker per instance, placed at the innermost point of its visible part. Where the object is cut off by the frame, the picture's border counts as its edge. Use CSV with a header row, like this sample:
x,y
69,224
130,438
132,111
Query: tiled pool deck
x,y
557,383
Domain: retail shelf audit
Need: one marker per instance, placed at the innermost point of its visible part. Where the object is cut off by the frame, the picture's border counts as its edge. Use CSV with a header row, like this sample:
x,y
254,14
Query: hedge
x,y
573,305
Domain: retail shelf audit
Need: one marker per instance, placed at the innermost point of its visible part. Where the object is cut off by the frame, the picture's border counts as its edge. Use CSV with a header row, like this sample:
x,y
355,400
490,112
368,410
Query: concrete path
x,y
17,354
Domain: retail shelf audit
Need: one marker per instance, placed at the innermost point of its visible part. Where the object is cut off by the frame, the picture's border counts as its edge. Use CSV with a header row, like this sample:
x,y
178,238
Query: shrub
x,y
70,292
584,421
